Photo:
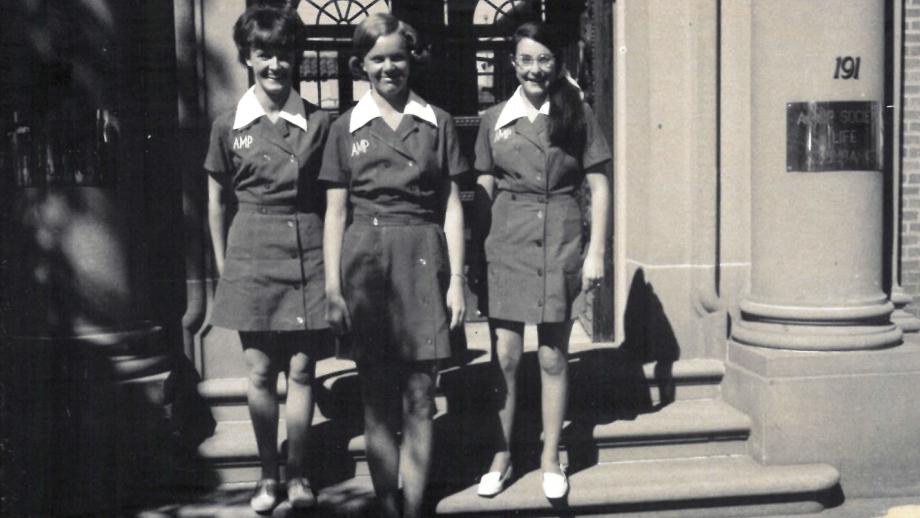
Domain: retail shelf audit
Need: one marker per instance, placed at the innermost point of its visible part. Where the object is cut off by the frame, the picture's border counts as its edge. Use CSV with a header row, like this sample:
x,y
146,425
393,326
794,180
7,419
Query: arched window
x,y
324,76
340,12
493,22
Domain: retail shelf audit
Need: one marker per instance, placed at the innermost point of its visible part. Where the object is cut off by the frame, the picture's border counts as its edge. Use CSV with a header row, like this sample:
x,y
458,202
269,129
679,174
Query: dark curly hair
x,y
268,28
376,26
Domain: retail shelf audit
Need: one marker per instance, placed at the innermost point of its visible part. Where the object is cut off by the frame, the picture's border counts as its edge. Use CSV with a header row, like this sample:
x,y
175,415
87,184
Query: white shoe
x,y
493,482
266,496
300,494
555,486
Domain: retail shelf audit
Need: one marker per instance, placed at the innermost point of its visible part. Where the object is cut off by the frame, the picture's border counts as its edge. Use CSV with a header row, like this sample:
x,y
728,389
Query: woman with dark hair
x,y
533,152
266,153
394,277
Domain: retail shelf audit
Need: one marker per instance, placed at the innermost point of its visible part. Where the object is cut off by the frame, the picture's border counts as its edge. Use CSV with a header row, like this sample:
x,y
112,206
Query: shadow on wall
x,y
648,335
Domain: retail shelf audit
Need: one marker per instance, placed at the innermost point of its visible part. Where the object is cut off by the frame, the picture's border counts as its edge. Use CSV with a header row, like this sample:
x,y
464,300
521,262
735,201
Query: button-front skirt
x,y
273,277
534,253
395,279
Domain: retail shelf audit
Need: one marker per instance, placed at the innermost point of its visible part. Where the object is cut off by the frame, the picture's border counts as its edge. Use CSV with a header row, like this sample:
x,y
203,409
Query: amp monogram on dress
x,y
243,141
502,134
359,147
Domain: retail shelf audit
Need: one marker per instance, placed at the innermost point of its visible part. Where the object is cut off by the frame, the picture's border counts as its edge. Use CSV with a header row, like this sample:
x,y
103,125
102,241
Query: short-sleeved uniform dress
x,y
534,249
273,277
395,269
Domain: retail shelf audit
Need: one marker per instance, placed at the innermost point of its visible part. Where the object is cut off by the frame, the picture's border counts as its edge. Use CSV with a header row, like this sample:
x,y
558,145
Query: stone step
x,y
600,379
701,487
682,429
684,488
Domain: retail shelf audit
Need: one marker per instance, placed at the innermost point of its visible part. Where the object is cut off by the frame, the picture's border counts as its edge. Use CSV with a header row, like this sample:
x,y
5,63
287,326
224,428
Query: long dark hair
x,y
566,111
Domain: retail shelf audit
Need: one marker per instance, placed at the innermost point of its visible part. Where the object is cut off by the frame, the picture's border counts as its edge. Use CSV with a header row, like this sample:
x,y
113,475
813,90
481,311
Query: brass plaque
x,y
833,136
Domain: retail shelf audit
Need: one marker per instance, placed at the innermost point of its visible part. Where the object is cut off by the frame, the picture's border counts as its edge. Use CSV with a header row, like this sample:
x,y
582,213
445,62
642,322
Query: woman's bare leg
x,y
508,339
262,398
418,411
380,391
298,411
554,381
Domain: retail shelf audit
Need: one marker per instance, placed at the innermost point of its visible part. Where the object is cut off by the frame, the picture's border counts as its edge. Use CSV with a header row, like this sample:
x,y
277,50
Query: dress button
x,y
539,272
539,243
300,320
539,214
290,223
262,210
540,303
411,163
293,158
514,197
296,285
267,157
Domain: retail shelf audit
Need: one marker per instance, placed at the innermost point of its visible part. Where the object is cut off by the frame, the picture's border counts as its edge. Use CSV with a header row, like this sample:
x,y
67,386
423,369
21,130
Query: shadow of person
x,y
649,336
609,384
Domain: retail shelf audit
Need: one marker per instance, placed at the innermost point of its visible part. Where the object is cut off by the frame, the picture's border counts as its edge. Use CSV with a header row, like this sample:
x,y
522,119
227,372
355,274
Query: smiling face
x,y
387,66
535,69
273,70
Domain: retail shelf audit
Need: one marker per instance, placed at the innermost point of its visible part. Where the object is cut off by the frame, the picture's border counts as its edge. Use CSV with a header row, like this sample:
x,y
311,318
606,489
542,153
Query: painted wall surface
x,y
670,207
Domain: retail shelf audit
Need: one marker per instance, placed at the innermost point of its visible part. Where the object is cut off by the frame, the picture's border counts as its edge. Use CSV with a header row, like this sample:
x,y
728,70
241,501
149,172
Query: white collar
x,y
249,109
518,106
367,110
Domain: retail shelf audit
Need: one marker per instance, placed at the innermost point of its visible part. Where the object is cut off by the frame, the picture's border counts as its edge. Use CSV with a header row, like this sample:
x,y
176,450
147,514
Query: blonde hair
x,y
374,27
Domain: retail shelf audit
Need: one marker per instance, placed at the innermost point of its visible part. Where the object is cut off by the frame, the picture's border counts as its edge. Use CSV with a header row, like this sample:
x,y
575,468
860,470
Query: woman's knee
x,y
508,357
553,361
301,369
418,396
262,372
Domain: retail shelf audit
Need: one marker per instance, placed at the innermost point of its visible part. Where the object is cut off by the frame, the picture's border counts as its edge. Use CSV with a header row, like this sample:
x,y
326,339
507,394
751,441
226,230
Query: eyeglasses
x,y
544,61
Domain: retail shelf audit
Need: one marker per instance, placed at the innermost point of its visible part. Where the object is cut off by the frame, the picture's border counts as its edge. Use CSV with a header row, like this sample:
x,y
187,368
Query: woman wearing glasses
x,y
533,152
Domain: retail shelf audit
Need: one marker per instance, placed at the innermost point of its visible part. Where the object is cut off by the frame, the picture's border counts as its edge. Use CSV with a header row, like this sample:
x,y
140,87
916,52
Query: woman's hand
x,y
592,272
337,313
456,301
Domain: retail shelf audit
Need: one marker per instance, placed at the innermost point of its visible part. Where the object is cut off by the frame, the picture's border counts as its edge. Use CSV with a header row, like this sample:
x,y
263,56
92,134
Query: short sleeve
x,y
335,168
217,163
596,149
483,148
456,163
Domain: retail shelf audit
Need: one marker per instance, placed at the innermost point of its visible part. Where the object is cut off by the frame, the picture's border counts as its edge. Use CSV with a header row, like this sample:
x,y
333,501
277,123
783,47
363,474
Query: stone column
x,y
817,69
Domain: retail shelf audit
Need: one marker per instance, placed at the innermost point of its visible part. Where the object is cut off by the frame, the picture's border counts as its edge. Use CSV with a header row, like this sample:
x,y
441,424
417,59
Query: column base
x,y
843,408
816,338
817,328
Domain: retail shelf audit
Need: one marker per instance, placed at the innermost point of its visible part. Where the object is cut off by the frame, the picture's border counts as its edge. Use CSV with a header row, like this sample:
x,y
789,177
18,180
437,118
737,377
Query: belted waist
x,y
537,197
389,220
270,208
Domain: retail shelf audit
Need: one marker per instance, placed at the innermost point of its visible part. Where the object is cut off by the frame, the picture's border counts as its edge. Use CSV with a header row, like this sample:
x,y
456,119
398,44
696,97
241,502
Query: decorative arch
x,y
340,12
491,12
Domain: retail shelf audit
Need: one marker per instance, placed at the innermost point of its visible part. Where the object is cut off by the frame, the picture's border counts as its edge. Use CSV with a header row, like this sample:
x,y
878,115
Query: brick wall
x,y
910,145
